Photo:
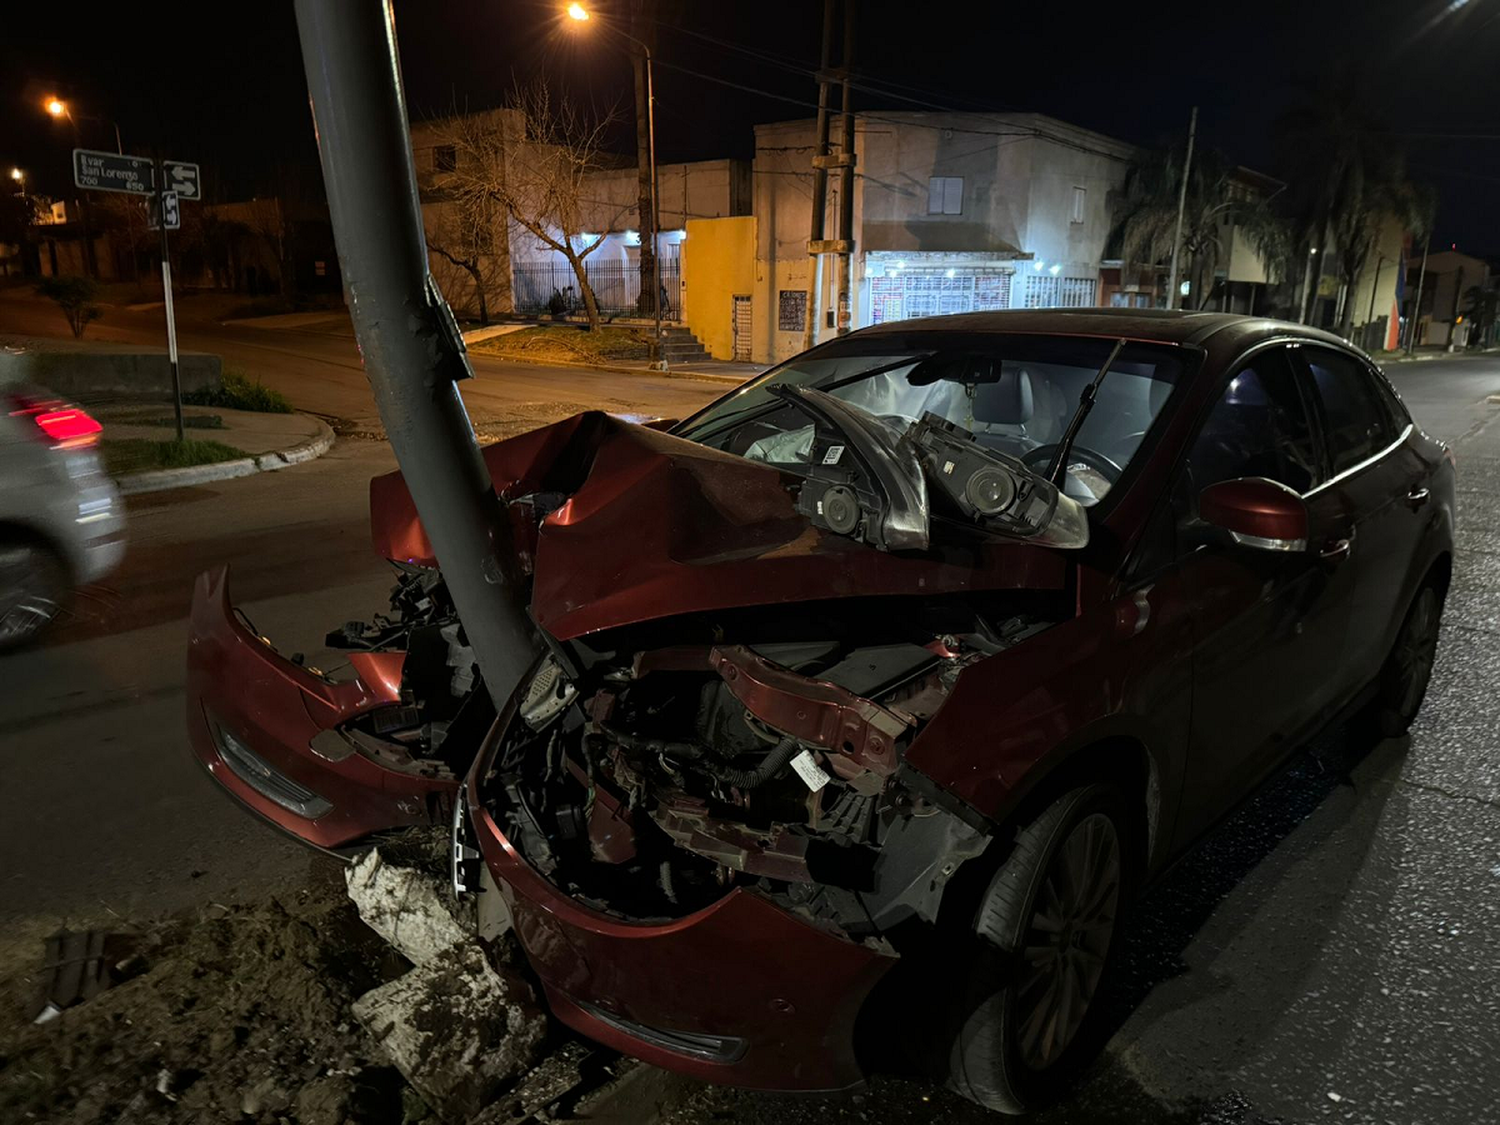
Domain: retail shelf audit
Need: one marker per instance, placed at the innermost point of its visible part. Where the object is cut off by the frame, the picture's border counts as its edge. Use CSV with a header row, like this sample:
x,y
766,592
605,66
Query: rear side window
x,y
1356,421
1258,428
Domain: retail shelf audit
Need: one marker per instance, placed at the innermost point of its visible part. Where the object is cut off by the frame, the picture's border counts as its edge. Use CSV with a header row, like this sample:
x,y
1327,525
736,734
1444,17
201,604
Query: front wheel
x,y
1046,927
33,591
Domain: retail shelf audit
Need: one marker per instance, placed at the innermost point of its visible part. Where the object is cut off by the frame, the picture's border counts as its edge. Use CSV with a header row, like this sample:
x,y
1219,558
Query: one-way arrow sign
x,y
182,178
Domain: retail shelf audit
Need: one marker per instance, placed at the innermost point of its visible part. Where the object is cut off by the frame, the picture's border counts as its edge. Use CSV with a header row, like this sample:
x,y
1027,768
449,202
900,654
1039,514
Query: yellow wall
x,y
718,264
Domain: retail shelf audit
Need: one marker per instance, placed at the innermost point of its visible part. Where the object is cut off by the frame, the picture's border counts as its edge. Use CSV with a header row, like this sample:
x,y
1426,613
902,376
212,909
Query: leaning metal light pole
x,y
412,350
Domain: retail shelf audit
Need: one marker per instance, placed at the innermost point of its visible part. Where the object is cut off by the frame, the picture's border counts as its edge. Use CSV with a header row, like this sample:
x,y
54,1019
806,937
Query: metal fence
x,y
616,286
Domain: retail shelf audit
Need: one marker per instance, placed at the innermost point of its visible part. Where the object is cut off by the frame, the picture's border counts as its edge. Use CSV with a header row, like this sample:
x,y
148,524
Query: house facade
x,y
952,213
1450,275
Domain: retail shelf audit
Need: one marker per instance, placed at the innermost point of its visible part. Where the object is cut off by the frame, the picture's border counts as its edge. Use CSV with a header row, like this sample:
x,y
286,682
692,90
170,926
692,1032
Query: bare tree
x,y
537,181
462,233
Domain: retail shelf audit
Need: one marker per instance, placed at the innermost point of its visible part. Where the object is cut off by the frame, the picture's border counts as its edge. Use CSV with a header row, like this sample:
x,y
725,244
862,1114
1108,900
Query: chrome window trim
x,y
1366,463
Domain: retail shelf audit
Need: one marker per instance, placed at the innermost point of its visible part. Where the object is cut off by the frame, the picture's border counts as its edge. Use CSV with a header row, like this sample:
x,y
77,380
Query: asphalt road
x,y
1329,955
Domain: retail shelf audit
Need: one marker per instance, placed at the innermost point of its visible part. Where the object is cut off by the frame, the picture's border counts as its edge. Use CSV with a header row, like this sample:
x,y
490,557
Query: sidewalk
x,y
1427,353
268,441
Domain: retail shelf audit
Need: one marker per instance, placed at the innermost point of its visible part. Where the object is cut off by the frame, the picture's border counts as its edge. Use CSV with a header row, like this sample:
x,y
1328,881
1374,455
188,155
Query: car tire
x,y
1044,940
1402,683
33,590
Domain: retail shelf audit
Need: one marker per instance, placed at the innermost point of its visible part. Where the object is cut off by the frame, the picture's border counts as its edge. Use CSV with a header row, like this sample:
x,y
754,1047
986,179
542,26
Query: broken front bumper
x,y
740,992
253,716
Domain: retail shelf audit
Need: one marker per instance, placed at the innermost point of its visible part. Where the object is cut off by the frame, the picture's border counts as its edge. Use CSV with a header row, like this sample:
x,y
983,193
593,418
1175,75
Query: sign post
x,y
166,288
166,181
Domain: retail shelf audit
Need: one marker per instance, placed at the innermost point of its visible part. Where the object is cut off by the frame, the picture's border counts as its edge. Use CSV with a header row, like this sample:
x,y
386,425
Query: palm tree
x,y
1482,306
1215,207
1349,180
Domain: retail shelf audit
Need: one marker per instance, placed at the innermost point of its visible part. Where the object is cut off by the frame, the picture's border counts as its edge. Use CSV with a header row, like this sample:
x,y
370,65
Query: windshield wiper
x,y
1057,468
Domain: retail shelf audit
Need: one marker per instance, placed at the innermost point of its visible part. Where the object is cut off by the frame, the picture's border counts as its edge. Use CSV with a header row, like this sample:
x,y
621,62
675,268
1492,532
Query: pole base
x,y
659,365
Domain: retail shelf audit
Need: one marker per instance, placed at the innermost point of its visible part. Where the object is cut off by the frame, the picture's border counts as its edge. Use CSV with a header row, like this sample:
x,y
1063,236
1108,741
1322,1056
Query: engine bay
x,y
648,782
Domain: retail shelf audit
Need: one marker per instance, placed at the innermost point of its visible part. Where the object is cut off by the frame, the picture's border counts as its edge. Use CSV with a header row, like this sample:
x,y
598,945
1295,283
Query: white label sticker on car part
x,y
809,771
832,456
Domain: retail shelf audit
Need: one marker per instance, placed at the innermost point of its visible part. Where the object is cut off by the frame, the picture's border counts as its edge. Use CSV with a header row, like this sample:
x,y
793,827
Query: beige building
x,y
952,213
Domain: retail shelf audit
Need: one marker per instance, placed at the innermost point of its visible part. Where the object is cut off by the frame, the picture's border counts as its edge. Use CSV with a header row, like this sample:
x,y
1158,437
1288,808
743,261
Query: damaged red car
x,y
896,672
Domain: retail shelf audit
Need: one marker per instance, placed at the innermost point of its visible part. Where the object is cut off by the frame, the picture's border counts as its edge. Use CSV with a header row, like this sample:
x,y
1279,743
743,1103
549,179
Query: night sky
x,y
236,101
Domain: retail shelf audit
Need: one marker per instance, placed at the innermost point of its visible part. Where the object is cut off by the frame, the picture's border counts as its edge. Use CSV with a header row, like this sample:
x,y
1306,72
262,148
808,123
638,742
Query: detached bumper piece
x,y
269,731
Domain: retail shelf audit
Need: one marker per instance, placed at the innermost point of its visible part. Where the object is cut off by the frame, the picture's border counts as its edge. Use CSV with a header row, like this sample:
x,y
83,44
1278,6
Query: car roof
x,y
1166,326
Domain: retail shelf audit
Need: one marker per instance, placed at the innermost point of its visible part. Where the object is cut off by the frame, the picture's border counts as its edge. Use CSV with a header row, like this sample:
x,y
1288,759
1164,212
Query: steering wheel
x,y
1039,457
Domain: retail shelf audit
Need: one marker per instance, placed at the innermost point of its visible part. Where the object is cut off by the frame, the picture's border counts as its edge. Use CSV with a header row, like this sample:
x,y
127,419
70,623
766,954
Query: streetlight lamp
x,y
56,107
578,14
20,178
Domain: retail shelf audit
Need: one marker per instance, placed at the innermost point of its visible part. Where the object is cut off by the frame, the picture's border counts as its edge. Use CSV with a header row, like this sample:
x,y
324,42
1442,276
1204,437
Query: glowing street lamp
x,y
18,175
56,107
578,12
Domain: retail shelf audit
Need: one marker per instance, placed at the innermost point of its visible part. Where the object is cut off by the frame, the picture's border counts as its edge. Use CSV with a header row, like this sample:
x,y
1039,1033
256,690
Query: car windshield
x,y
1015,394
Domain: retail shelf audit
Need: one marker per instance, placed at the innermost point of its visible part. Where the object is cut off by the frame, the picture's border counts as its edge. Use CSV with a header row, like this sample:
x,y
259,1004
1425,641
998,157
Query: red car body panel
x,y
742,967
657,526
277,708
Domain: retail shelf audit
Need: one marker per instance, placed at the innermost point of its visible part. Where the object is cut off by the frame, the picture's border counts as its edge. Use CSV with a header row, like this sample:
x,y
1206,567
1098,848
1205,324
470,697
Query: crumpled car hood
x,y
655,526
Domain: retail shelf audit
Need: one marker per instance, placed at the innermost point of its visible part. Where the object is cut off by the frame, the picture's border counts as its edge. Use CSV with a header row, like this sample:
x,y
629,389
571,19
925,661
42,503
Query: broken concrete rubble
x,y
406,906
459,1031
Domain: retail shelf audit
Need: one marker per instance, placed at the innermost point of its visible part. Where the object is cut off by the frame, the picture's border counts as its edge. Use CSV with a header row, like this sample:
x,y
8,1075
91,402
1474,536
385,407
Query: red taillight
x,y
70,426
63,425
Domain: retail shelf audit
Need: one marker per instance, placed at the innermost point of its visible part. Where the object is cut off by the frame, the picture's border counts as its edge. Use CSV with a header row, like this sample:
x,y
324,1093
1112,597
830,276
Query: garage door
x,y
937,291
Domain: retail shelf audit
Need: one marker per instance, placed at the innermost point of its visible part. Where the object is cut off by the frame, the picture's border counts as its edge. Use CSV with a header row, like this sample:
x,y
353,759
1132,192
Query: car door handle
x,y
1336,550
1417,497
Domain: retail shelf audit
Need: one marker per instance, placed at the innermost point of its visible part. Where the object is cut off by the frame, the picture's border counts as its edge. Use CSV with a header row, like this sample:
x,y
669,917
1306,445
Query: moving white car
x,y
62,522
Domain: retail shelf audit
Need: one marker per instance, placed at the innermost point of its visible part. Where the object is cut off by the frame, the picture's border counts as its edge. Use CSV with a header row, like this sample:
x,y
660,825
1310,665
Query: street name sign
x,y
109,171
112,171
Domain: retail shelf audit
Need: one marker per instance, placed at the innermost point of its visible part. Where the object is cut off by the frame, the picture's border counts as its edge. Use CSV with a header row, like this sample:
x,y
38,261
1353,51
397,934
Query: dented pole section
x,y
413,352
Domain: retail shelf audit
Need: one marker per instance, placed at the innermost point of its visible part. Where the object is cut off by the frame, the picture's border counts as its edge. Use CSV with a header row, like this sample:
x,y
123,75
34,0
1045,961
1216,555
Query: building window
x,y
1046,292
937,291
1080,201
945,195
444,158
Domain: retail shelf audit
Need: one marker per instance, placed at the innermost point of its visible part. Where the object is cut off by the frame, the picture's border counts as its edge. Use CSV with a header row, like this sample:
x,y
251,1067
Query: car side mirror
x,y
1257,513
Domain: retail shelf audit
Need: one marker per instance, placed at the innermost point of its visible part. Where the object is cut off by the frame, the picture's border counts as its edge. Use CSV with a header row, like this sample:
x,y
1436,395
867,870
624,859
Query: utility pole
x,y
820,185
845,247
1187,168
411,347
643,28
1416,307
1374,284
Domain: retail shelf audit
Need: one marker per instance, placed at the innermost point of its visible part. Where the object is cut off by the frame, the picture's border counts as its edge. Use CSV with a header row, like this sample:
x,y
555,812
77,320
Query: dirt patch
x,y
569,343
240,1013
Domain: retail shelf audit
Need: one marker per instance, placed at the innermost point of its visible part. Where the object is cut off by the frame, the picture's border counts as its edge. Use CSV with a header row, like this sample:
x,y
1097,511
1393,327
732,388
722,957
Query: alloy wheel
x,y
1416,650
1067,940
29,594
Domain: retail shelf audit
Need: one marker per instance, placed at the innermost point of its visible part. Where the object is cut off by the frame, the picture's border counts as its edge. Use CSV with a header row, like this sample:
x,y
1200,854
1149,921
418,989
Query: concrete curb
x,y
158,480
621,369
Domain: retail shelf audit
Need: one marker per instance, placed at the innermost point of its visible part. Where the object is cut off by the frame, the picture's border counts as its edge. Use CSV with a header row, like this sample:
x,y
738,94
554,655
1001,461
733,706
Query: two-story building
x,y
952,213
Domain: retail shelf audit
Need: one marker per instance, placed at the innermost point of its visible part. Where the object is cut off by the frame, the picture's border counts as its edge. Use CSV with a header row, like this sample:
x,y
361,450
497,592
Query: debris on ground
x,y
78,966
298,1012
409,908
234,1013
461,1032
